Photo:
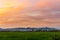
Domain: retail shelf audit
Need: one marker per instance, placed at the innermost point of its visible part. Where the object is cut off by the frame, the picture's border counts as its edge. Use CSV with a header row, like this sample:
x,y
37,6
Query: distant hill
x,y
30,29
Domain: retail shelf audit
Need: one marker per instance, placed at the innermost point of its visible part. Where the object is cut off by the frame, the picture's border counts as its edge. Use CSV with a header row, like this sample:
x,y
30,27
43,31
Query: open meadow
x,y
29,35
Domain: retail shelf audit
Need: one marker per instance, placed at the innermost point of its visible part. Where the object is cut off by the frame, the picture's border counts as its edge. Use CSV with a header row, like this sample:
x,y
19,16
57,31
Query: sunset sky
x,y
29,13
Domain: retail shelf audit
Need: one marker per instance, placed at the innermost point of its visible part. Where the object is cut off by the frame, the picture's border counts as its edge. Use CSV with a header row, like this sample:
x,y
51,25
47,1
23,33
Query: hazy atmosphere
x,y
29,13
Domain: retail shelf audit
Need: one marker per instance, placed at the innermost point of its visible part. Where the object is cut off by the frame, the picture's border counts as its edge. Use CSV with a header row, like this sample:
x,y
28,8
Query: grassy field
x,y
29,35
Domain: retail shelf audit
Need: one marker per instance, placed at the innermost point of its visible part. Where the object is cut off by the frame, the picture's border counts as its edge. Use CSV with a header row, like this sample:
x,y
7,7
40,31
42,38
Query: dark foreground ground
x,y
29,35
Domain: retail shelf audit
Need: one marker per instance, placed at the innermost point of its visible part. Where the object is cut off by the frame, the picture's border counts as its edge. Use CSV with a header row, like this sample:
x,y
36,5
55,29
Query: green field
x,y
29,35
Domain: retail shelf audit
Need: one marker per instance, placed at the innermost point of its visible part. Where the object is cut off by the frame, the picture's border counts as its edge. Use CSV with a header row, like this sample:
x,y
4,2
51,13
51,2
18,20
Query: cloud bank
x,y
31,13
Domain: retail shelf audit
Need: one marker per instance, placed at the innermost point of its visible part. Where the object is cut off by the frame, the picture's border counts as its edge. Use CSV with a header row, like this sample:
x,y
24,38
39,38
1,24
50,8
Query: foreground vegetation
x,y
29,35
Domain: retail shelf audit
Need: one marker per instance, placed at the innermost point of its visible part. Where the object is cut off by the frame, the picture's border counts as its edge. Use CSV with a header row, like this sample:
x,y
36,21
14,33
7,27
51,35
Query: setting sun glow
x,y
8,5
5,6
